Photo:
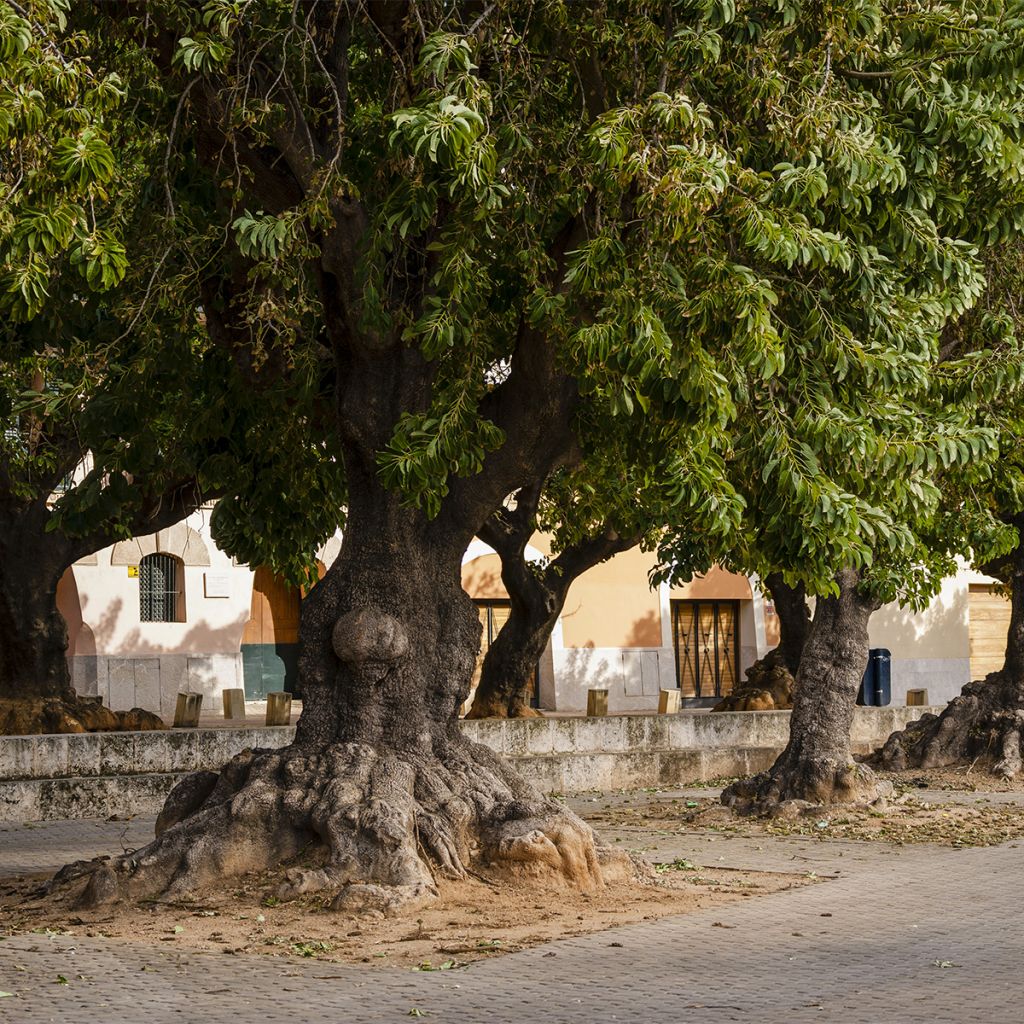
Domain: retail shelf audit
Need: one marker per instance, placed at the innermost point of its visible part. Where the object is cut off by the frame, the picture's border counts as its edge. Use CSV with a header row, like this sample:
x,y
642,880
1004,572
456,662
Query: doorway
x,y
705,635
270,642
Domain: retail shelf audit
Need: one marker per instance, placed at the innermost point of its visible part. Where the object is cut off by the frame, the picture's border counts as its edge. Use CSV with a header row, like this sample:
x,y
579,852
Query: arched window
x,y
161,598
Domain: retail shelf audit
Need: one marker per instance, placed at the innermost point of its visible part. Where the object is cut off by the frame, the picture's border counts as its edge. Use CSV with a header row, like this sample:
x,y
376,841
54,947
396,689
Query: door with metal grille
x,y
705,636
158,588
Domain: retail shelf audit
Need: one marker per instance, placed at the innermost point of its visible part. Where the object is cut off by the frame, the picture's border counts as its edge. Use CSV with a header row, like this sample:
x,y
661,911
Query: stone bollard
x,y
234,704
279,708
186,710
669,702
597,703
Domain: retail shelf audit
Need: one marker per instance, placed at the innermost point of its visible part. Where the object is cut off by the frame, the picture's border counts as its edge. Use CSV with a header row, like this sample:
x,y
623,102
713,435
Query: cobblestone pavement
x,y
48,845
901,935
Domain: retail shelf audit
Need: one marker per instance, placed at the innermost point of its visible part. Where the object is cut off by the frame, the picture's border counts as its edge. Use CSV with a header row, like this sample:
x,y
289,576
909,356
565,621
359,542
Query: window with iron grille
x,y
159,588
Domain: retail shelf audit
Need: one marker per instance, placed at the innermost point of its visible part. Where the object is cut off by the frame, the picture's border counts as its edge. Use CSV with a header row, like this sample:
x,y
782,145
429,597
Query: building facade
x,y
154,616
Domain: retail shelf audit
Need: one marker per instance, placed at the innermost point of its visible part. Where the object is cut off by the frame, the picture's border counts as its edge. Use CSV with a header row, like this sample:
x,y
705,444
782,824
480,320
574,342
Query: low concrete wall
x,y
99,774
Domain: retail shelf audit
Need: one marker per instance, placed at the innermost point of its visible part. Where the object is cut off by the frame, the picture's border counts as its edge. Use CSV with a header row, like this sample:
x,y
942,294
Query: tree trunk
x,y
794,619
537,596
986,722
33,634
380,790
817,765
771,680
511,660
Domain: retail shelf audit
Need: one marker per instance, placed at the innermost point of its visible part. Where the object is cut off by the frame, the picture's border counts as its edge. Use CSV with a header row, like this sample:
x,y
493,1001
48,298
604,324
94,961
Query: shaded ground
x,y
704,858
871,945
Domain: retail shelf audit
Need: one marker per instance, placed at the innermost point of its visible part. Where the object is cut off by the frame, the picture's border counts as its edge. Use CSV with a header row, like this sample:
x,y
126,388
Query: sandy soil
x,y
471,920
964,779
906,819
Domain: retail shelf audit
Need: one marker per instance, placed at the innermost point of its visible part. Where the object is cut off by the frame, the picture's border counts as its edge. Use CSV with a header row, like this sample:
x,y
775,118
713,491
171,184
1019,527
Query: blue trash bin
x,y
881,659
876,686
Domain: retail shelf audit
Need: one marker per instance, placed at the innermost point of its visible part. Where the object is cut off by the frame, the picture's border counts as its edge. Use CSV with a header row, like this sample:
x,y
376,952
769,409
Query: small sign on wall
x,y
216,584
133,572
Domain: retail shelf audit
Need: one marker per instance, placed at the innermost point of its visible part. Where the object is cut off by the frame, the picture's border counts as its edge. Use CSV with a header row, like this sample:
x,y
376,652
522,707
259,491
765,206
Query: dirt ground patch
x,y
906,819
472,919
964,779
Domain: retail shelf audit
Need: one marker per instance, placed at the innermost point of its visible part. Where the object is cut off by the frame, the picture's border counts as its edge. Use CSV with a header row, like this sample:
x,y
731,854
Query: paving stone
x,y
896,913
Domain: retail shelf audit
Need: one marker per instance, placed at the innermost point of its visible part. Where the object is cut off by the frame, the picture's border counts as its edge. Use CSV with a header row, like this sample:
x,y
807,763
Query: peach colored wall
x,y
481,578
613,605
717,585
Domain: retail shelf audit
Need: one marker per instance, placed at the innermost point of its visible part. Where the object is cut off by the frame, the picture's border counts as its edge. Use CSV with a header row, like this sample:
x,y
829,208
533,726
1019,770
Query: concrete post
x,y
279,708
186,710
234,704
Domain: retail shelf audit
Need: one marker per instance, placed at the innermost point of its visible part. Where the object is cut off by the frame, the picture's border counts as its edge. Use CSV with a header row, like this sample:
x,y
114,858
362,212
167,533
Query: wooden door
x,y
270,641
705,636
989,622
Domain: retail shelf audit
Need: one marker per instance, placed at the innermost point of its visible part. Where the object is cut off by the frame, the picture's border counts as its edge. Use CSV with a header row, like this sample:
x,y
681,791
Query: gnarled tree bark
x,y
380,790
770,680
817,765
986,722
537,596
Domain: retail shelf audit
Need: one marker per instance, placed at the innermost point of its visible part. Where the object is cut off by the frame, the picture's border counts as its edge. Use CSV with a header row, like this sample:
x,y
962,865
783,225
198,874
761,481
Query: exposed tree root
x,y
369,830
985,724
35,716
498,707
791,789
768,687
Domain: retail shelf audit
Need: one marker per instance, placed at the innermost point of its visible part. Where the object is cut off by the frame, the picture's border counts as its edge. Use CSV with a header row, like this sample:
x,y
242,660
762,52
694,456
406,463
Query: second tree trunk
x,y
817,765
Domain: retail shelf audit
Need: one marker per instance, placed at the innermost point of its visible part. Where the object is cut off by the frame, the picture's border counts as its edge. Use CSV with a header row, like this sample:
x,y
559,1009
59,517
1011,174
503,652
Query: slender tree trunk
x,y
537,596
817,765
380,788
986,722
771,680
511,661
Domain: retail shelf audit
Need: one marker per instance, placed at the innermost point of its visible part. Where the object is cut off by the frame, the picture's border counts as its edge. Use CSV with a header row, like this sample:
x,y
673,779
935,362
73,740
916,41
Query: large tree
x,y
483,222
